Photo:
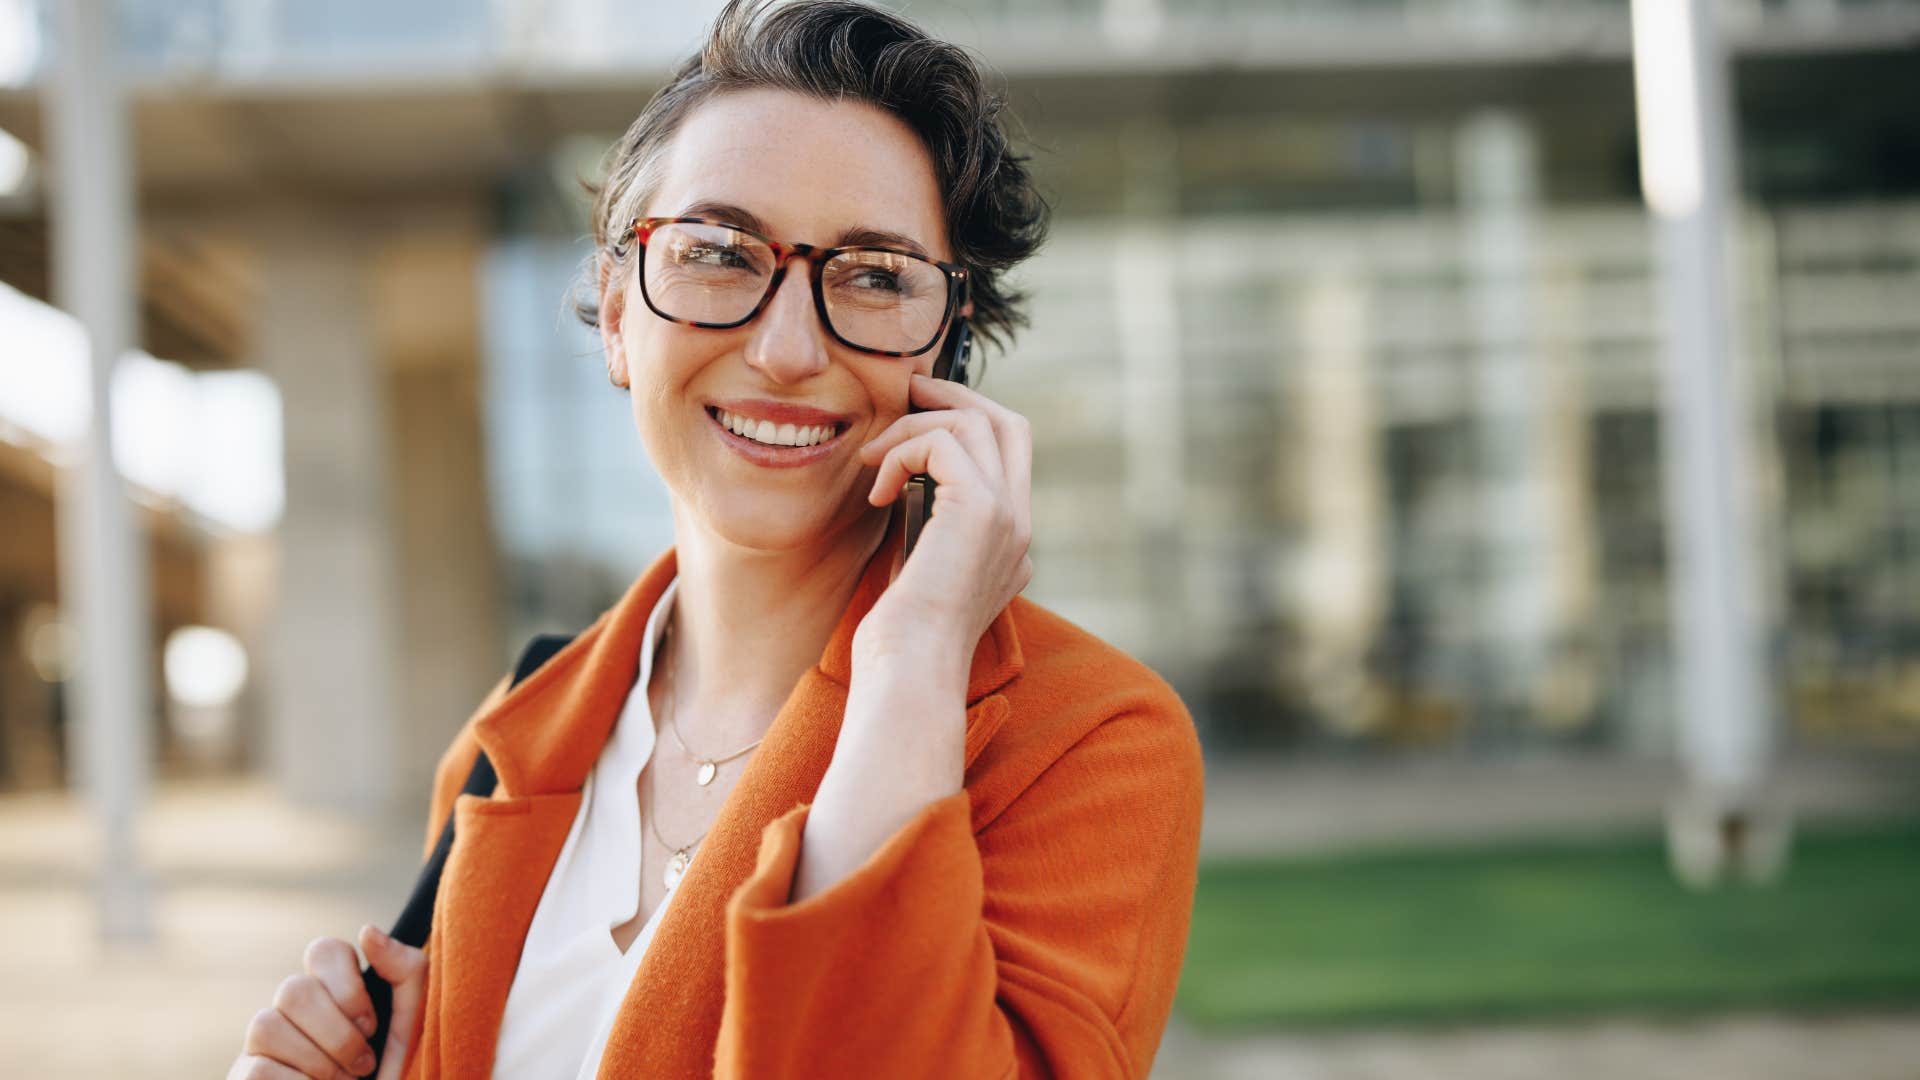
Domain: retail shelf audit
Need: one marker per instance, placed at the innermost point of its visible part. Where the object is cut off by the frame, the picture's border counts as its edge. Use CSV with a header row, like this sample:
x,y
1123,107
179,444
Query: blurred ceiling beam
x,y
174,543
195,291
212,137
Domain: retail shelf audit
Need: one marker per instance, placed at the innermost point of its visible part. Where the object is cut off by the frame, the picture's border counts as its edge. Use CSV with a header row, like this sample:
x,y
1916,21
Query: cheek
x,y
887,387
660,364
664,357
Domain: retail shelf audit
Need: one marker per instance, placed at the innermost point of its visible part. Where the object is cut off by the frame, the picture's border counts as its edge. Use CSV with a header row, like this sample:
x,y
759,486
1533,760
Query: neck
x,y
747,624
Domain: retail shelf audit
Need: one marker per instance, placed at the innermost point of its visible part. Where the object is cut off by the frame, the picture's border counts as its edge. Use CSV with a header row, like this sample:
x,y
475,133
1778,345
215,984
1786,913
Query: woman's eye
x,y
876,280
716,255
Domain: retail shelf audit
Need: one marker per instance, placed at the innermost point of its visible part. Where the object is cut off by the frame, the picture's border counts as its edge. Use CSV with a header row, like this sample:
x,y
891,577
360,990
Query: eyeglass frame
x,y
817,257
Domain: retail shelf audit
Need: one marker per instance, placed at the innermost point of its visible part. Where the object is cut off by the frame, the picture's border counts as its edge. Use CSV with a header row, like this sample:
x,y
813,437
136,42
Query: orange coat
x,y
1031,925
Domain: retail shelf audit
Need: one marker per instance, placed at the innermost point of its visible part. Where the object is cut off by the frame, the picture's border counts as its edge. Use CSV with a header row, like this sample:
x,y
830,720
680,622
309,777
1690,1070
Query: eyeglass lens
x,y
874,299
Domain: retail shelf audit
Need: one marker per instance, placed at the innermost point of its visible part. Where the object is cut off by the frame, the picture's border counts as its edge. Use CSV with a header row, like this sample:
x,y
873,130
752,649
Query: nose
x,y
788,342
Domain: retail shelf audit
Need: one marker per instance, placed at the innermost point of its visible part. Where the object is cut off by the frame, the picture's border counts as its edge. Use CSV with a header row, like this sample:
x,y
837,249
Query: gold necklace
x,y
708,766
681,858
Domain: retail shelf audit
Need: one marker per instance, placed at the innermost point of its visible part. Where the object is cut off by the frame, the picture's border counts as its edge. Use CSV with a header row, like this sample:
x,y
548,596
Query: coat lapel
x,y
503,851
544,737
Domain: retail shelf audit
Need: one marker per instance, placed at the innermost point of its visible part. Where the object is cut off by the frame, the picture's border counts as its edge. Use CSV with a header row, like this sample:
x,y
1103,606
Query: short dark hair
x,y
834,50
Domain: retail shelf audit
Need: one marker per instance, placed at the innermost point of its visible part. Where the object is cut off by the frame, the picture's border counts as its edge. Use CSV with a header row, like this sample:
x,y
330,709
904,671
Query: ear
x,y
613,311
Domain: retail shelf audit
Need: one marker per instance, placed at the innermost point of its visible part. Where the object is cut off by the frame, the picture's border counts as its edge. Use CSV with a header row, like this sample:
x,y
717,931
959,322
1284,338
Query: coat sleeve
x,y
449,776
1048,944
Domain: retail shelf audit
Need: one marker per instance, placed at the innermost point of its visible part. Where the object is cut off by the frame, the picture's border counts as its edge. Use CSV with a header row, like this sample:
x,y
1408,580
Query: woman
x,y
897,822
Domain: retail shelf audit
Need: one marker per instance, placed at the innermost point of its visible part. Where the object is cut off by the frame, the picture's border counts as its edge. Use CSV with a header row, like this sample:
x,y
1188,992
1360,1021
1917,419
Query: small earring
x,y
615,380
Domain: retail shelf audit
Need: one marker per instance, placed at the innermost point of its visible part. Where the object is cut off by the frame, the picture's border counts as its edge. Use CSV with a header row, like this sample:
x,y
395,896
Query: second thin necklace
x,y
708,767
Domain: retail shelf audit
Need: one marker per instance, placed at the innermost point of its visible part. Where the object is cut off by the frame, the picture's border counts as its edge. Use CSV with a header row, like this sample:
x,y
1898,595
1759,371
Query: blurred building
x,y
1347,318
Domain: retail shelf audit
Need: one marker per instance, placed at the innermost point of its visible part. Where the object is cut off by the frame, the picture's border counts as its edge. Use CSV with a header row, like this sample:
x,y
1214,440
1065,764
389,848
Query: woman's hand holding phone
x,y
320,1020
971,559
902,740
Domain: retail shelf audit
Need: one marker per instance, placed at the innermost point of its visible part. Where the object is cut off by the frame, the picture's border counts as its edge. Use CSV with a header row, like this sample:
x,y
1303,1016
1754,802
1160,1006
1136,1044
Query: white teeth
x,y
766,431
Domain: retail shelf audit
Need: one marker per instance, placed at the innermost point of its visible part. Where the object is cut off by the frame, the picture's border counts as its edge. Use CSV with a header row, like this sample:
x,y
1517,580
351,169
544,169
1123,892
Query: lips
x,y
772,434
774,456
781,412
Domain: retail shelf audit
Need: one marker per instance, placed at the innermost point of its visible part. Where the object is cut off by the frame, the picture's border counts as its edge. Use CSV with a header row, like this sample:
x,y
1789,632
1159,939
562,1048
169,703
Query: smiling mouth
x,y
776,436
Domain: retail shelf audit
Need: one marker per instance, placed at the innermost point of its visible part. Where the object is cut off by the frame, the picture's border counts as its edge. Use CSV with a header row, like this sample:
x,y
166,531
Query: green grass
x,y
1549,930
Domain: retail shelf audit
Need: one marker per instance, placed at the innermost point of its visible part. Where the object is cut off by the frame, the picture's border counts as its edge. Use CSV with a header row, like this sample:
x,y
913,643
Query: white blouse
x,y
572,977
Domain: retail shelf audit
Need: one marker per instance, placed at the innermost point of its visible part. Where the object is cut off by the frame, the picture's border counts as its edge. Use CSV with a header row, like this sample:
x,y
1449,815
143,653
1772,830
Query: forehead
x,y
810,169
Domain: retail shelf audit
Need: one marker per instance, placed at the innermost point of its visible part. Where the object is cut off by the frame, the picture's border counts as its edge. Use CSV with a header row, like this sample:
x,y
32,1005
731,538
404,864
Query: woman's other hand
x,y
319,1021
971,559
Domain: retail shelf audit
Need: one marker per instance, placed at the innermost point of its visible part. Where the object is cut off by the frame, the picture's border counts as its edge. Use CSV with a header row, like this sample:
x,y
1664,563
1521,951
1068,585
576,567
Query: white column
x,y
1340,584
1520,460
1146,265
331,678
1726,729
103,574
1149,342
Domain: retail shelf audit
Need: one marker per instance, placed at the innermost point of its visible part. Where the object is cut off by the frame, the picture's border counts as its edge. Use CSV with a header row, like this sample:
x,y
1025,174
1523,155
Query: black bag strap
x,y
416,919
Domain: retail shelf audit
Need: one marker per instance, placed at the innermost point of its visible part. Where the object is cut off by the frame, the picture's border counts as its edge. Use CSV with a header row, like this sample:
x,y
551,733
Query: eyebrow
x,y
856,236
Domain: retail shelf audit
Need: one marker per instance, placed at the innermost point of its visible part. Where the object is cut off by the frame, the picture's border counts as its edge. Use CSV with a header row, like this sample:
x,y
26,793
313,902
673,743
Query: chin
x,y
777,521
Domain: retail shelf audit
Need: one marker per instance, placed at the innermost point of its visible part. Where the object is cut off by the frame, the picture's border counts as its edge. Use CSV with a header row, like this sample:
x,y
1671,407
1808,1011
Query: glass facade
x,y
1392,477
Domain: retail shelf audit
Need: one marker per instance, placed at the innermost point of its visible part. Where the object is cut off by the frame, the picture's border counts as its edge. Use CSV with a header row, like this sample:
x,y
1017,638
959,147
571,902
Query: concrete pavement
x,y
242,882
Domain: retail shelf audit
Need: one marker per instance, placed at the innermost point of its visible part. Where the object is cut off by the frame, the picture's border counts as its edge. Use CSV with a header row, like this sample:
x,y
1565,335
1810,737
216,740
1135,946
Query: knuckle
x,y
323,949
261,1023
295,991
347,1045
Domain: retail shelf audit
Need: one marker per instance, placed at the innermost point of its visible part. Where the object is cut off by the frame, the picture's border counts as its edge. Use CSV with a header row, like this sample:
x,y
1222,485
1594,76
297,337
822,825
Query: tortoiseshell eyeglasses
x,y
702,272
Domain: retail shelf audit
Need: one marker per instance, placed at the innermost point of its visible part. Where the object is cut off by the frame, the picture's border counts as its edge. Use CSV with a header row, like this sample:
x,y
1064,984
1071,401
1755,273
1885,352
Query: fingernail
x,y
368,1026
364,1065
379,935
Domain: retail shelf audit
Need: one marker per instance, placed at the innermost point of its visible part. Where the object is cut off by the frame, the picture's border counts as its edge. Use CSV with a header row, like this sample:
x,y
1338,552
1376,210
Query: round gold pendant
x,y
677,866
707,770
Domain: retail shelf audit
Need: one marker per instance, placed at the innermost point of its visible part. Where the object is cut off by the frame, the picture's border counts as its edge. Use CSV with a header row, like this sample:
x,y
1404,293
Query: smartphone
x,y
917,500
